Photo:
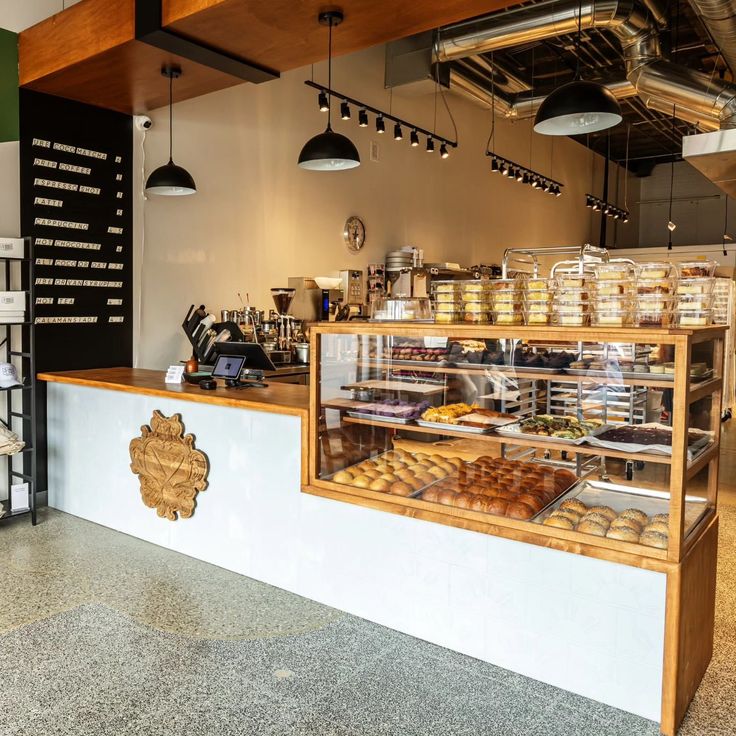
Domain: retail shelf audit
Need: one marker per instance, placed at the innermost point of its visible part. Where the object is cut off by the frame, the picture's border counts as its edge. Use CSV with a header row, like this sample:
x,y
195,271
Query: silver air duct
x,y
719,17
633,24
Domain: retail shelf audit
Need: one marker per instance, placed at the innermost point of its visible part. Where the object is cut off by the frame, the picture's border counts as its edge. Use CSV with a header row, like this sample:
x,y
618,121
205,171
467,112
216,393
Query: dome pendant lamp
x,y
578,107
171,180
329,151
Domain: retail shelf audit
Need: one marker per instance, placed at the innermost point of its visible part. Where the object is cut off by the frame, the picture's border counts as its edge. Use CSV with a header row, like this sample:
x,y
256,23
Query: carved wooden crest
x,y
170,470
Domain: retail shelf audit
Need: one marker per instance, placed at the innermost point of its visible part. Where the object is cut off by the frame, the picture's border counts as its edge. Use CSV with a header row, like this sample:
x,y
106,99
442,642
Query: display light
x,y
414,138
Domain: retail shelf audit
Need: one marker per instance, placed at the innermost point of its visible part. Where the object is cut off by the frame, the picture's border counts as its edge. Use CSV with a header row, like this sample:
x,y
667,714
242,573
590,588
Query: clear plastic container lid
x,y
572,318
687,302
695,318
651,300
475,285
446,286
538,318
695,269
446,307
655,286
653,318
654,270
573,294
447,317
401,309
476,306
699,285
509,318
612,271
612,288
505,284
534,283
539,295
612,318
507,307
611,302
477,317
446,296
472,296
538,307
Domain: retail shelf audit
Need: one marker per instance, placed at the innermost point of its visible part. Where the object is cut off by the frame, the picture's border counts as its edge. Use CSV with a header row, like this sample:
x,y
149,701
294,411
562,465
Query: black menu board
x,y
77,205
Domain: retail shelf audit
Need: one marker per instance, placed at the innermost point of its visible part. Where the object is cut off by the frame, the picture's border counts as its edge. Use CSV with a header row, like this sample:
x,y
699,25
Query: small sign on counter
x,y
175,374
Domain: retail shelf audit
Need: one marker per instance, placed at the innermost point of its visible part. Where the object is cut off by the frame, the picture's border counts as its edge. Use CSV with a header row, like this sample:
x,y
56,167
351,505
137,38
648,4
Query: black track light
x,y
519,175
556,190
547,186
398,135
324,103
535,183
525,179
363,118
345,110
430,145
444,151
588,201
414,138
503,169
494,165
380,125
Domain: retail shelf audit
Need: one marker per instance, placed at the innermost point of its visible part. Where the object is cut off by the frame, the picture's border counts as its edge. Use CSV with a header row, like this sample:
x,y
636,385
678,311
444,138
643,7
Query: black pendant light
x,y
578,106
329,151
171,180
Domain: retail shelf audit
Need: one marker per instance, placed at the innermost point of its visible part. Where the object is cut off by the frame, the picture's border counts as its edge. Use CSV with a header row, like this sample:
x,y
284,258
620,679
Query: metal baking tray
x,y
377,418
620,498
512,430
693,450
587,372
454,427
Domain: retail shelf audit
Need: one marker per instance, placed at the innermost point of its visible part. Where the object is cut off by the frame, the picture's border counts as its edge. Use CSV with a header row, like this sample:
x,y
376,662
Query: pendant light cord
x,y
580,34
492,134
171,116
329,77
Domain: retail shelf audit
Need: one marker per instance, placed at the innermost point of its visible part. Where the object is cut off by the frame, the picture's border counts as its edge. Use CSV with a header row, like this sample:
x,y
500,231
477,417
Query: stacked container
x,y
720,301
538,296
447,302
655,290
507,301
571,306
612,295
475,297
695,293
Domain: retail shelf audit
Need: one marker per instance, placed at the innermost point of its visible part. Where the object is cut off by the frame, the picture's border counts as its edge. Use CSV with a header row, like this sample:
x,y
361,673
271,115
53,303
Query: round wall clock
x,y
354,234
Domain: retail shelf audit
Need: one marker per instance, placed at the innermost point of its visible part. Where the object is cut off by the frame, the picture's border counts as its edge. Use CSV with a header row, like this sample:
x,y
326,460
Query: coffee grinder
x,y
282,299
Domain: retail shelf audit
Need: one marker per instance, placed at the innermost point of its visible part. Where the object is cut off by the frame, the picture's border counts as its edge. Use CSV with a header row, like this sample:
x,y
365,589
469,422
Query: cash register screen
x,y
228,366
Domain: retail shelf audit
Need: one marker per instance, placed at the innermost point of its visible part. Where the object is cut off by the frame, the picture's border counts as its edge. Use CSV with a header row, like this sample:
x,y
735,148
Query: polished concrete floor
x,y
103,634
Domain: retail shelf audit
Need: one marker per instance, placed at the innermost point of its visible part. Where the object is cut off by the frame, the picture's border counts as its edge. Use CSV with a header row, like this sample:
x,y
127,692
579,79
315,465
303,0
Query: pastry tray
x,y
378,418
648,376
693,449
620,498
512,430
508,368
440,427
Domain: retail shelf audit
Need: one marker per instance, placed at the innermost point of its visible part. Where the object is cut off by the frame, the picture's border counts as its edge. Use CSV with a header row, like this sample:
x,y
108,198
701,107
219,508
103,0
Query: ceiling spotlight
x,y
363,118
519,175
616,214
535,182
588,200
525,179
430,145
398,135
494,165
546,186
503,169
414,138
556,190
324,103
444,152
345,111
671,226
625,217
380,125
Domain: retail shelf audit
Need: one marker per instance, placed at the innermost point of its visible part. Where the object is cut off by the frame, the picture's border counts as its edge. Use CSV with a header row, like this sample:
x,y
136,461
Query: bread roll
x,y
498,506
390,477
653,539
569,515
533,501
606,511
380,485
637,514
574,504
362,481
561,522
597,518
372,474
658,526
342,476
479,504
437,471
519,511
625,534
623,522
401,489
431,494
664,518
464,500
590,527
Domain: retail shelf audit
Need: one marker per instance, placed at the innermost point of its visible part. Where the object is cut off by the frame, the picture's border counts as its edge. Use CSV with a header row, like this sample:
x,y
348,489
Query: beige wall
x,y
258,219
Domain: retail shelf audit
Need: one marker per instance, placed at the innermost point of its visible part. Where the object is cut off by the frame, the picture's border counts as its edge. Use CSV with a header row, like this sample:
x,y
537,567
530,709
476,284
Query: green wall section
x,y
9,116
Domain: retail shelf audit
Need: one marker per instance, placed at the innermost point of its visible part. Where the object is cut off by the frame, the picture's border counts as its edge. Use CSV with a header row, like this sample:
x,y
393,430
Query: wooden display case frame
x,y
690,560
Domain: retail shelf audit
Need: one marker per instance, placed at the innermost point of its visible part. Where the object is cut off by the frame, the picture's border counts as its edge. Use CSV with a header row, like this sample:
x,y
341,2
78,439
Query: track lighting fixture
x,y
444,152
171,180
523,175
494,165
398,135
535,182
606,208
414,138
504,170
324,103
344,110
430,145
380,125
525,179
329,151
519,175
363,118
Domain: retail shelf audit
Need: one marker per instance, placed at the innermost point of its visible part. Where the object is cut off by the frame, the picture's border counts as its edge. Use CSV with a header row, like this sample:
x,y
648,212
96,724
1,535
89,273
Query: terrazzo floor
x,y
103,634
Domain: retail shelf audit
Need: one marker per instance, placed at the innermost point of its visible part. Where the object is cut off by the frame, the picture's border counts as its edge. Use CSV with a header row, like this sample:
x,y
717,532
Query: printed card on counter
x,y
175,374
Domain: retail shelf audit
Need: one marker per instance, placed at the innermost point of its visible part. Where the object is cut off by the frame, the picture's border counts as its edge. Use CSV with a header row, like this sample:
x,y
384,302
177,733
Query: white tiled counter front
x,y
593,627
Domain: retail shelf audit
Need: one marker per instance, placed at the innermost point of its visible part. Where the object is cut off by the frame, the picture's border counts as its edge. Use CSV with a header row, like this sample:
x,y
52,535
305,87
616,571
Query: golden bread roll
x,y
664,518
606,511
654,539
574,504
498,506
401,489
571,516
430,494
597,518
561,522
518,510
343,476
637,514
658,526
590,527
464,500
380,485
447,497
624,522
372,474
625,534
362,481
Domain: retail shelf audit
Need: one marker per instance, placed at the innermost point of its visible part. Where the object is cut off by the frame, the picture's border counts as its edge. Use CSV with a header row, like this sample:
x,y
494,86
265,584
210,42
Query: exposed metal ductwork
x,y
719,17
692,96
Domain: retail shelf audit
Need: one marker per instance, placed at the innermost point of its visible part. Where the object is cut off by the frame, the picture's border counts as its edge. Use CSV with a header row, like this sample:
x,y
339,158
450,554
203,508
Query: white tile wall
x,y
589,626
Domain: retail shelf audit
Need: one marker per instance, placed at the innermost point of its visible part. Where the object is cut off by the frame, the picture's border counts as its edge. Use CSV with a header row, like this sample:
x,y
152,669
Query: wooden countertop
x,y
278,398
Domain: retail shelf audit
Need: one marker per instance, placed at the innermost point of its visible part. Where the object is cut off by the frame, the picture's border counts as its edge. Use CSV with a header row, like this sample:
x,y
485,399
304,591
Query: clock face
x,y
354,234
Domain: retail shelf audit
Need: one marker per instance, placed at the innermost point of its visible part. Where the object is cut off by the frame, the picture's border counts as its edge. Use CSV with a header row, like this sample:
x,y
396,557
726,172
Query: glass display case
x,y
603,439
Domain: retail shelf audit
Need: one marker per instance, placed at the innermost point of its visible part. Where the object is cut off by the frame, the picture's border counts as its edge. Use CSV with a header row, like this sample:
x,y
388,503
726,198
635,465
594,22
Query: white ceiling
x,y
17,15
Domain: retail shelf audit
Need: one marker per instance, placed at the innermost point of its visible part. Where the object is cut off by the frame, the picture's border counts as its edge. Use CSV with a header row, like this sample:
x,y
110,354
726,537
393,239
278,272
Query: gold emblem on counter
x,y
170,470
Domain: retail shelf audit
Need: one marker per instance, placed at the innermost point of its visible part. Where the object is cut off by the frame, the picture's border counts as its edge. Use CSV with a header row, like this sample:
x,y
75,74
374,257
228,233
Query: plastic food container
x,y
444,287
505,285
534,284
695,318
653,318
700,285
570,281
538,295
509,318
446,306
445,296
475,286
612,302
477,318
401,309
538,318
538,306
612,318
694,302
696,269
653,302
477,306
654,270
471,296
507,307
571,318
447,318
612,288
655,286
612,271
569,305
574,294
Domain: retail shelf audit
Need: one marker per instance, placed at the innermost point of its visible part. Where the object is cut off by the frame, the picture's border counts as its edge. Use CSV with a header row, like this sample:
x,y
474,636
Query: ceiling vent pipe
x,y
656,80
719,17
